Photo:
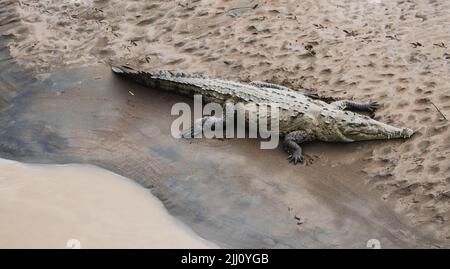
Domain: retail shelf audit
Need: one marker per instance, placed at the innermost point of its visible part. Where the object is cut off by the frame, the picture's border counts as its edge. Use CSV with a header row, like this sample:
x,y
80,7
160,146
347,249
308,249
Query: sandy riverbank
x,y
394,52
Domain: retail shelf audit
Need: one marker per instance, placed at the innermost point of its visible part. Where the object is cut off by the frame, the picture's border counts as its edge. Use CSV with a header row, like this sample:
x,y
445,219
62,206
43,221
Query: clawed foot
x,y
372,106
296,157
188,133
196,129
208,123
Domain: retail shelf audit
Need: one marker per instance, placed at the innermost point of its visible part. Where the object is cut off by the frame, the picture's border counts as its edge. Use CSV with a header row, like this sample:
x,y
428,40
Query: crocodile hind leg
x,y
291,146
370,106
206,123
263,84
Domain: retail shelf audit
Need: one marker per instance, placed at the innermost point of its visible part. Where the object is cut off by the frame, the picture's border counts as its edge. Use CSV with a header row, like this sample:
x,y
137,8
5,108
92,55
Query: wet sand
x,y
228,191
46,206
393,52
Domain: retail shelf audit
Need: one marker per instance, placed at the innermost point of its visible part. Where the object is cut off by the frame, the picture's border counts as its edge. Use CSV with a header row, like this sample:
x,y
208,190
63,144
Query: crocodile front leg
x,y
291,145
208,123
370,106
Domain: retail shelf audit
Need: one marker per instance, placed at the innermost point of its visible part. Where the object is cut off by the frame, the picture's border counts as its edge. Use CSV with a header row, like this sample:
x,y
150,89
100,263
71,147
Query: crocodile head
x,y
364,128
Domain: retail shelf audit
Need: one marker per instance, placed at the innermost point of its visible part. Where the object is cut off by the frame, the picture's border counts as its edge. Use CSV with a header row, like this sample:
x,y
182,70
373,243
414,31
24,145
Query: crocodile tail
x,y
129,73
126,69
123,69
161,79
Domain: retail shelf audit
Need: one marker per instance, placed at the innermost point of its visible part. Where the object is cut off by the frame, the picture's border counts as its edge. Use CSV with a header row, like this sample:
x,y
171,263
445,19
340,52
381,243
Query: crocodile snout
x,y
116,69
407,133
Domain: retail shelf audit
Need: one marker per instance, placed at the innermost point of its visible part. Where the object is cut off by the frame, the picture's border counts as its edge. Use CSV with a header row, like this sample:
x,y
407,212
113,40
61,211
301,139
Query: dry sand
x,y
394,52
46,206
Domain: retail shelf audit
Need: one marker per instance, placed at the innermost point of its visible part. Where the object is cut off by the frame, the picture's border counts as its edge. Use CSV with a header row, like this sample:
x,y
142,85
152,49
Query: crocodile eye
x,y
297,114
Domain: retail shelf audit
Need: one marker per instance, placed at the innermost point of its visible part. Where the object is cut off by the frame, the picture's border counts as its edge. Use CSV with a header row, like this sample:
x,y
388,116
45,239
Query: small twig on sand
x,y
438,110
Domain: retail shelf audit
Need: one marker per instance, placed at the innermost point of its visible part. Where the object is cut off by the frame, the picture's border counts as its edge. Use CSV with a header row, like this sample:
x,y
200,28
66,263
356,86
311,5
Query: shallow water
x,y
59,206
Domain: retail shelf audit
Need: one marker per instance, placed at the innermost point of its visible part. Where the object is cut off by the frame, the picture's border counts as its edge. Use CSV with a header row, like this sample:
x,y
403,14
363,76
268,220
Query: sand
x,y
60,206
394,52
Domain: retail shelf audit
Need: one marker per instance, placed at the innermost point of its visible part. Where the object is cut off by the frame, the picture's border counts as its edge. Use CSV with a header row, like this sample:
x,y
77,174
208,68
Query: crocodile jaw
x,y
373,130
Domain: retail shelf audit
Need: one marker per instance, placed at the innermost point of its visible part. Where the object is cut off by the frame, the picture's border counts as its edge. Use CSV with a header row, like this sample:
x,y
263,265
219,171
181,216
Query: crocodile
x,y
303,116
